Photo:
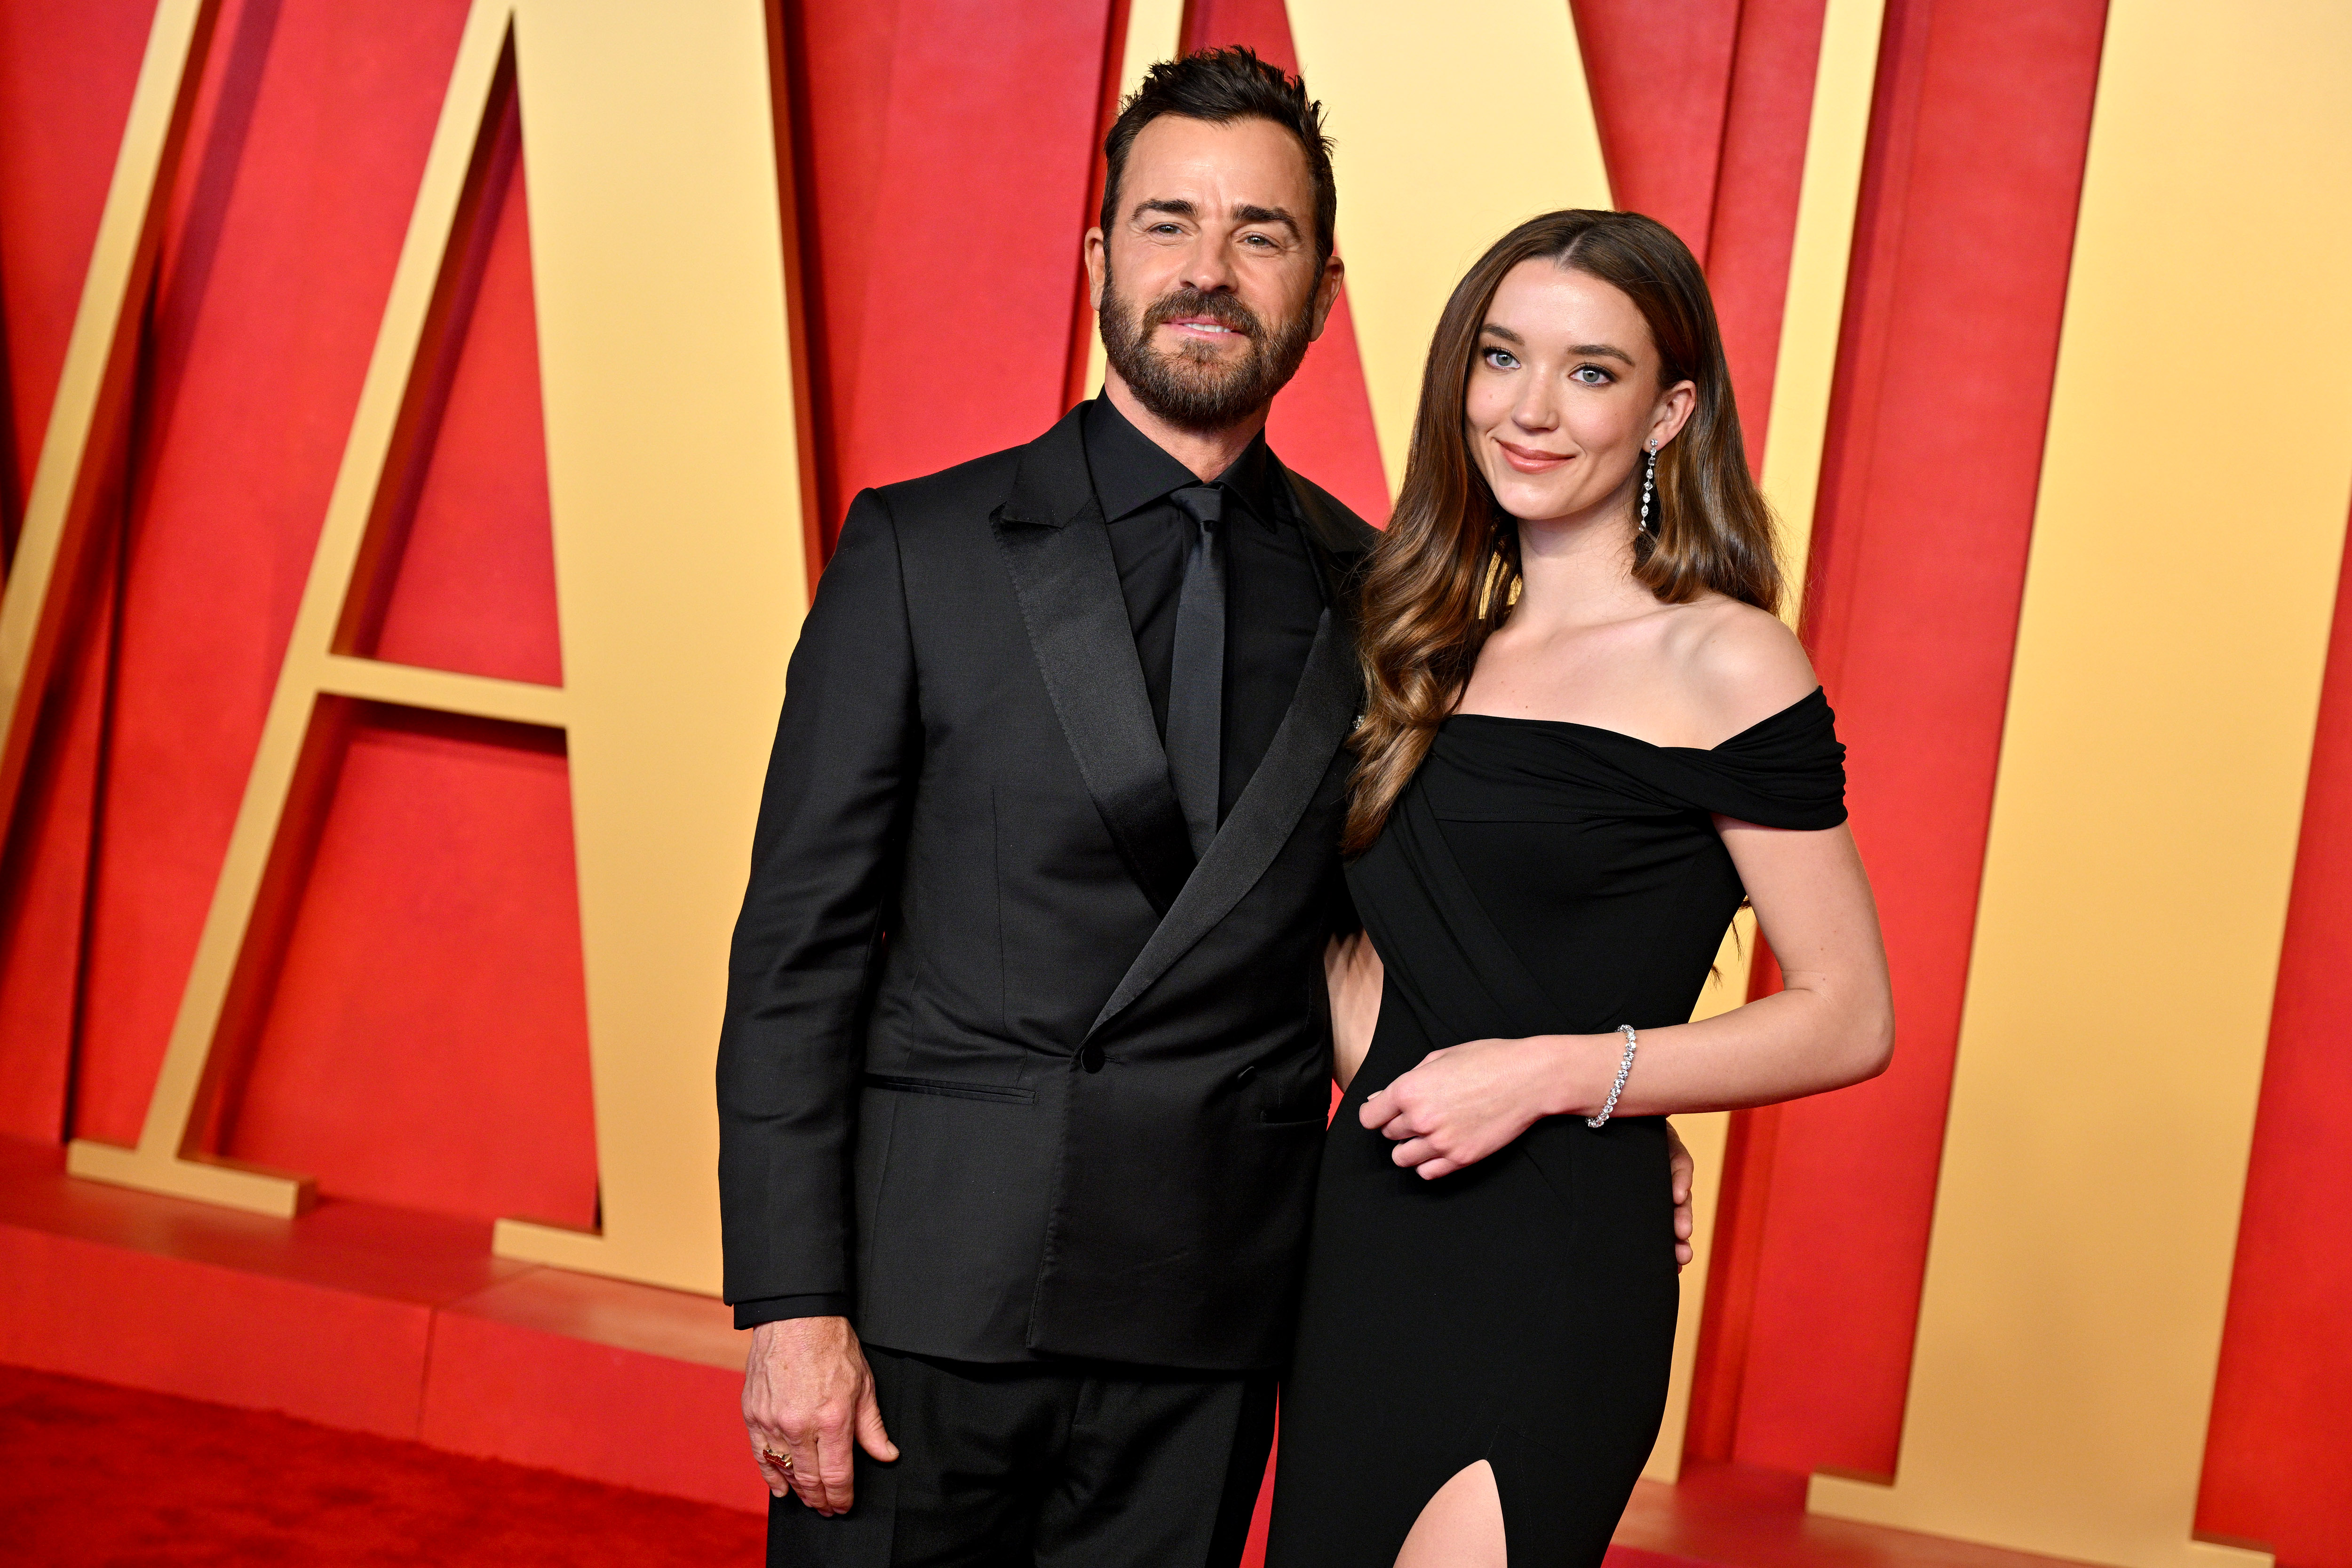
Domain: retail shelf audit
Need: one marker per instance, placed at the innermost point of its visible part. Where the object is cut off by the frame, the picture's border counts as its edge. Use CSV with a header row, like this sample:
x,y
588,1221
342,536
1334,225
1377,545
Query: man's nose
x,y
1207,267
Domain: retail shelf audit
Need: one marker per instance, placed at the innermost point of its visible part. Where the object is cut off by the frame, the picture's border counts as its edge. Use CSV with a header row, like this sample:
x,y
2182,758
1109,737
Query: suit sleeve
x,y
824,869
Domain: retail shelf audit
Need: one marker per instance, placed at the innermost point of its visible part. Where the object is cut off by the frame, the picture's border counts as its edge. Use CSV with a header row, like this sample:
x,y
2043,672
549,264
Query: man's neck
x,y
1206,453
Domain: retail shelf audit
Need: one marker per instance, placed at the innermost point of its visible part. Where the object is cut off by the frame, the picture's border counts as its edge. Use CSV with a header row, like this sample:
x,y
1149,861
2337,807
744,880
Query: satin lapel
x,y
1068,587
1322,710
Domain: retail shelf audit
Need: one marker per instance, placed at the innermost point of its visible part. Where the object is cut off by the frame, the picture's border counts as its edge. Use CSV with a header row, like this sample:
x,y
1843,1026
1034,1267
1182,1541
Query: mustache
x,y
1223,308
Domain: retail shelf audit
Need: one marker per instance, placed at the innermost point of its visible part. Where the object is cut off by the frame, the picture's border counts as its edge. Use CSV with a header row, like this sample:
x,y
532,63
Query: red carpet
x,y
93,1475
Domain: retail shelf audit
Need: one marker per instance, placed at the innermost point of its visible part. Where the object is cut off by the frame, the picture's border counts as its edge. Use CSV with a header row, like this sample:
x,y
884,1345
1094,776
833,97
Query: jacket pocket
x,y
1007,1093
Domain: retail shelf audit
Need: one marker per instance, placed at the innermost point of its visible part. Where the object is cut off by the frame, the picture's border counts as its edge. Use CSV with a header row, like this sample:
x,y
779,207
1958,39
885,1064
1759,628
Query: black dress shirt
x,y
1274,595
1274,601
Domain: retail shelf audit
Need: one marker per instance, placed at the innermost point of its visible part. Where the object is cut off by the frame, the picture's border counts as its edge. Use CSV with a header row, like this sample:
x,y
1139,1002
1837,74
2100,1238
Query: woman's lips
x,y
1528,460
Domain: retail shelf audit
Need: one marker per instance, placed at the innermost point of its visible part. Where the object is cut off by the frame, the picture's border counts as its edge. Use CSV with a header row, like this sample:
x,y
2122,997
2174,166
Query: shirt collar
x,y
1130,471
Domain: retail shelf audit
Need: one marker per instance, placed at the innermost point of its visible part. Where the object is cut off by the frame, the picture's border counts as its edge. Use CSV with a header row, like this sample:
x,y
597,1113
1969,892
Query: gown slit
x,y
1533,878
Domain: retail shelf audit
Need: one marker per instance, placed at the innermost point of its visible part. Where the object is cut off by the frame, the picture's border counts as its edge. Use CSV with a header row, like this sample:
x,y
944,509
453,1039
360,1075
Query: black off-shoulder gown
x,y
1534,878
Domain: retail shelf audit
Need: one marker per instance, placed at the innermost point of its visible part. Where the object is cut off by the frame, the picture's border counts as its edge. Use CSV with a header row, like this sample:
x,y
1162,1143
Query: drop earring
x,y
1648,486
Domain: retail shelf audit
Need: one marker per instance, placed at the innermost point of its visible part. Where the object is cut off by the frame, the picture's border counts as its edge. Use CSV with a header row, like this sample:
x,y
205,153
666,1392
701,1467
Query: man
x,y
1026,1054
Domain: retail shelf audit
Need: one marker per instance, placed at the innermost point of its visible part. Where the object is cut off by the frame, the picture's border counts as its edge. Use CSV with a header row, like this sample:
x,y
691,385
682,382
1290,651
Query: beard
x,y
1191,388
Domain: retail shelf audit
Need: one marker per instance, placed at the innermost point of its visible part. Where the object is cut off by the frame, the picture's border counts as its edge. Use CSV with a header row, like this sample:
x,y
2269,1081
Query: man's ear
x,y
1327,293
1097,254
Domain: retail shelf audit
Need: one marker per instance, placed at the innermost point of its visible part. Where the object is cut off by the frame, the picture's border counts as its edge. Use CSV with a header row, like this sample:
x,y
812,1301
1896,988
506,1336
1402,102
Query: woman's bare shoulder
x,y
1739,664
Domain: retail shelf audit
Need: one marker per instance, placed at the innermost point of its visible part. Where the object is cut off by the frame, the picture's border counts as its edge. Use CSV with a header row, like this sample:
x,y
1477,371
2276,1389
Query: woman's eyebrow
x,y
1579,350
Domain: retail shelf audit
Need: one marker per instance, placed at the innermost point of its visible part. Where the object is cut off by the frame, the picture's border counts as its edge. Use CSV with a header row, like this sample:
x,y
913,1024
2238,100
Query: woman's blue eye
x,y
1500,358
1600,378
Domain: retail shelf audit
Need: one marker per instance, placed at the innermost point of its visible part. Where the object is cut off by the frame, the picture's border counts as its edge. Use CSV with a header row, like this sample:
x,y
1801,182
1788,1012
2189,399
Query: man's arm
x,y
824,862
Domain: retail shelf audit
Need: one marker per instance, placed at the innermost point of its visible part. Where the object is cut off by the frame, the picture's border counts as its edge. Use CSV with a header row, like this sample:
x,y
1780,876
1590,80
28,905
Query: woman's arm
x,y
1352,972
1833,1024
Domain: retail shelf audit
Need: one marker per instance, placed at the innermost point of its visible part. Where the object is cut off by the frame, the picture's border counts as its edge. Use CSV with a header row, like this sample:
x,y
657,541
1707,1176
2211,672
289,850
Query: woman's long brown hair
x,y
1446,571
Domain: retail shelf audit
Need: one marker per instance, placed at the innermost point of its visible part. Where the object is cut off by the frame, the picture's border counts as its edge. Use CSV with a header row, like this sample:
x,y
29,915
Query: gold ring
x,y
781,1461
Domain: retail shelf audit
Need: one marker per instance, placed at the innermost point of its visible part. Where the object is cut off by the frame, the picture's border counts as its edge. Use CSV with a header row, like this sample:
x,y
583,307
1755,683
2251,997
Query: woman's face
x,y
1563,393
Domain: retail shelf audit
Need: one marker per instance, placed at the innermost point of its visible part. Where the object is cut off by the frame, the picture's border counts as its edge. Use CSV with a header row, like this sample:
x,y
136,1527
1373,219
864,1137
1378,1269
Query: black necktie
x,y
1196,682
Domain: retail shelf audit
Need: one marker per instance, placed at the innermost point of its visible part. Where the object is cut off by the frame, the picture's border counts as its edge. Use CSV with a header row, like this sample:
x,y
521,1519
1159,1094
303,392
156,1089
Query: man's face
x,y
1207,286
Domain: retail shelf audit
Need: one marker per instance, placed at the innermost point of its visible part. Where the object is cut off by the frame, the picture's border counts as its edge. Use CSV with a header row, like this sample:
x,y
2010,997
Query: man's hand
x,y
807,1395
1679,1169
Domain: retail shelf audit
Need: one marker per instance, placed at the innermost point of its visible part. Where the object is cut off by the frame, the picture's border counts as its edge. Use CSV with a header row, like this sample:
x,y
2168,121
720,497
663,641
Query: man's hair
x,y
1221,86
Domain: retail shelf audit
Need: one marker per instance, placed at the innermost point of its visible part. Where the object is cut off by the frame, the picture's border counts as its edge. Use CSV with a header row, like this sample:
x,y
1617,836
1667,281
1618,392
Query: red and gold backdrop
x,y
422,420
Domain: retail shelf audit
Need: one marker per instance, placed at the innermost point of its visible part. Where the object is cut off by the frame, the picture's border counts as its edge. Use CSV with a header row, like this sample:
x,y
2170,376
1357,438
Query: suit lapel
x,y
1321,713
1058,554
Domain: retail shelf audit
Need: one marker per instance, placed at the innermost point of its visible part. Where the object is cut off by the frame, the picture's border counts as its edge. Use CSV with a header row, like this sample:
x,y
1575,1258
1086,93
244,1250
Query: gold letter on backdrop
x,y
2143,825
657,271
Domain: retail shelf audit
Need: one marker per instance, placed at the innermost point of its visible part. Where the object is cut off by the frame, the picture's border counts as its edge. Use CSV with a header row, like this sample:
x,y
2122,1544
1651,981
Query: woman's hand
x,y
1468,1101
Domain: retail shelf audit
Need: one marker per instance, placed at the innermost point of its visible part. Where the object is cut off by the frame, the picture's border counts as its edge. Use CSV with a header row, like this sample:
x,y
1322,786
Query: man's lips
x,y
1529,460
1203,327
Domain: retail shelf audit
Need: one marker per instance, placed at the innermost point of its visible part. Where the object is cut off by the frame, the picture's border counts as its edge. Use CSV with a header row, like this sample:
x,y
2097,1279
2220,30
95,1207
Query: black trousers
x,y
1079,1465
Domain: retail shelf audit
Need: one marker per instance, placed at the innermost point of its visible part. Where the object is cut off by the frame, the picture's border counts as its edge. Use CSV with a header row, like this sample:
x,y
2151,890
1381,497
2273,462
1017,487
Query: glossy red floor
x,y
91,1475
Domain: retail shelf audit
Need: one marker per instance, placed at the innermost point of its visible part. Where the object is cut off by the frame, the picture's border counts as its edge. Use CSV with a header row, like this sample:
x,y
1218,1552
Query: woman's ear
x,y
1673,411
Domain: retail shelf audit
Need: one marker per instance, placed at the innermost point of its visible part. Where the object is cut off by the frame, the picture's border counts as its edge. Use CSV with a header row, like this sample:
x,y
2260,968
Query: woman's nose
x,y
1534,411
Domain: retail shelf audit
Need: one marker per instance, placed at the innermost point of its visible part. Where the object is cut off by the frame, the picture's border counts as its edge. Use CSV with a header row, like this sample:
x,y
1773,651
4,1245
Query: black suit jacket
x,y
998,1061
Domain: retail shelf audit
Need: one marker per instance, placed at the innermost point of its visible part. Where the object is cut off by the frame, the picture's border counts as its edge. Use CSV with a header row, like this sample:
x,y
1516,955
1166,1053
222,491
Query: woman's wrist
x,y
1578,1071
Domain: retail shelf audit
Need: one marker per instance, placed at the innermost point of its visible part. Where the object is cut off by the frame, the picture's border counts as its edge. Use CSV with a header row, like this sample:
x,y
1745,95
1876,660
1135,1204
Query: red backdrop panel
x,y
2277,1467
1753,226
1963,241
474,584
427,1044
946,148
67,68
45,883
1660,76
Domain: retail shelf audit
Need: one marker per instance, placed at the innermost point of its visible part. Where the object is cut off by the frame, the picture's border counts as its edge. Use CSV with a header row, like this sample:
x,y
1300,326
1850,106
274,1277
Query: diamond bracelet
x,y
1623,1067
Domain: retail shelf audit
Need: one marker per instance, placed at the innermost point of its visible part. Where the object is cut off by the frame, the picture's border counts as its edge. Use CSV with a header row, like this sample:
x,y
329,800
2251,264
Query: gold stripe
x,y
446,690
1451,129
1813,312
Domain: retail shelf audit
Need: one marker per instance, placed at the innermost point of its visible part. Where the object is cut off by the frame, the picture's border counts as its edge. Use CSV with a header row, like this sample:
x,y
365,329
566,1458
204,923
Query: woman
x,y
1587,738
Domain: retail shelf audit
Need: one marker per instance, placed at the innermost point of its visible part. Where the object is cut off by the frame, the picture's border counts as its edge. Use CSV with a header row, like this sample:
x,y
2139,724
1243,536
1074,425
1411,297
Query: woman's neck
x,y
1579,571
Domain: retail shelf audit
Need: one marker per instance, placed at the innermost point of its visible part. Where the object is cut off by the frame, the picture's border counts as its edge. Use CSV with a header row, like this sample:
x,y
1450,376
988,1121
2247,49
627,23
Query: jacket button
x,y
1091,1059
